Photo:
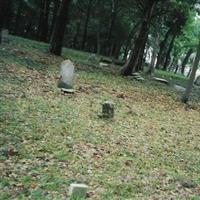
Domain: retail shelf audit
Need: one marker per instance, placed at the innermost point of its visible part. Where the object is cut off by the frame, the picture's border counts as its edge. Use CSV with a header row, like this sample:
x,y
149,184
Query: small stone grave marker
x,y
108,109
78,191
92,58
4,36
66,76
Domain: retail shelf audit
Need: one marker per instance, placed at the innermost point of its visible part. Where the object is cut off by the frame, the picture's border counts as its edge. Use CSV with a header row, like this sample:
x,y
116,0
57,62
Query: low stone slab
x,y
135,74
160,80
179,88
102,64
139,78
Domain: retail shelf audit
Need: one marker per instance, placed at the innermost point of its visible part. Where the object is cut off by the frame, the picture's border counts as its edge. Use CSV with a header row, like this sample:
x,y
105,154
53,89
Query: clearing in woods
x,y
150,150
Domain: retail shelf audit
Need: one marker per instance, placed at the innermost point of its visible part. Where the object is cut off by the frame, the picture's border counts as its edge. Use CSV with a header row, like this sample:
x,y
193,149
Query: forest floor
x,y
150,150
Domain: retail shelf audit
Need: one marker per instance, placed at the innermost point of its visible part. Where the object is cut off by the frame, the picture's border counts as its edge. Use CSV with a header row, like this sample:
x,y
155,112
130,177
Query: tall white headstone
x,y
66,76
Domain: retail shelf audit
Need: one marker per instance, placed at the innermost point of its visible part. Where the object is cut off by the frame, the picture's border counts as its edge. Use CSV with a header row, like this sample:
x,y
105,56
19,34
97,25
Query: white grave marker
x,y
66,76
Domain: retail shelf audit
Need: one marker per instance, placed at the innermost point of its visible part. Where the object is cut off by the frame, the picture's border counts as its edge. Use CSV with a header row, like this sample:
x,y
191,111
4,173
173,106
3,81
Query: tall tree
x,y
133,64
59,28
185,60
86,24
167,59
187,93
43,27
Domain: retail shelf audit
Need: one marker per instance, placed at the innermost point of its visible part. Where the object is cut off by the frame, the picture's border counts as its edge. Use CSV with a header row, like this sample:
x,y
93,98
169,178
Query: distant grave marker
x,y
78,191
92,58
4,36
108,109
66,76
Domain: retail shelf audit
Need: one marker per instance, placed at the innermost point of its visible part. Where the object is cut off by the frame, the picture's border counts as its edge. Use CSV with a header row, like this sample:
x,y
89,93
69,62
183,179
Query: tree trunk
x,y
142,56
189,72
86,24
162,47
167,59
185,61
20,8
55,12
133,64
98,50
176,69
127,44
111,26
59,29
151,68
187,93
44,21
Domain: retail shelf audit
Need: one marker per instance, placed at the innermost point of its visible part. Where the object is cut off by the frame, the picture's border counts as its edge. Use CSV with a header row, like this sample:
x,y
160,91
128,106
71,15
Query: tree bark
x,y
86,24
20,8
55,12
111,26
75,39
185,61
43,27
133,64
162,47
151,68
59,29
187,93
167,59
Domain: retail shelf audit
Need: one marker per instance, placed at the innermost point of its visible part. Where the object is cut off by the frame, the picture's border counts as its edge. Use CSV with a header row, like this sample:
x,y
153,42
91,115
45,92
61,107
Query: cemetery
x,y
112,137
99,100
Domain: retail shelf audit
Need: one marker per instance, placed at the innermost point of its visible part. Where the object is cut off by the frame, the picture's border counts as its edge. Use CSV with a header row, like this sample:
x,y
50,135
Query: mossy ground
x,y
150,150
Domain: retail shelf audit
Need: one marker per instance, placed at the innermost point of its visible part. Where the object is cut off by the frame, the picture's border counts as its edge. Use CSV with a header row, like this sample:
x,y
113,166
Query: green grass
x,y
48,140
174,78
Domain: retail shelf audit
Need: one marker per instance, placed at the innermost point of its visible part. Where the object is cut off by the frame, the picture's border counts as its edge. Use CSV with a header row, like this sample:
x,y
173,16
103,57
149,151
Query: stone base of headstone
x,y
108,109
68,91
77,191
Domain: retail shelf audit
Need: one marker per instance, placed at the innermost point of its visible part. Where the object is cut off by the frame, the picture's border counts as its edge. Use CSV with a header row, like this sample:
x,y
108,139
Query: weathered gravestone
x,y
66,76
78,191
4,36
92,58
197,81
108,109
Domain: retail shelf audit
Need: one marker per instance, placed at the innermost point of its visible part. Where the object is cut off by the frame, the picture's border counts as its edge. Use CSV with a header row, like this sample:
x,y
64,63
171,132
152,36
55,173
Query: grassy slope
x,y
149,151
